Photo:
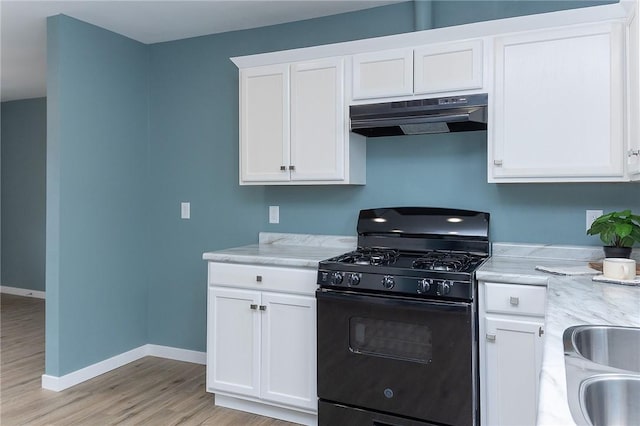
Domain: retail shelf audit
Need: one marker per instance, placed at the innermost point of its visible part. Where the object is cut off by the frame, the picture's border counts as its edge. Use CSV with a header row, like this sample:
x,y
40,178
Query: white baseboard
x,y
265,409
22,292
61,383
64,382
177,354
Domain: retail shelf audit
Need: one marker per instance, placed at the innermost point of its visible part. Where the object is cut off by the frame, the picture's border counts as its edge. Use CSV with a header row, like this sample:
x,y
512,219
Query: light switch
x,y
274,214
185,210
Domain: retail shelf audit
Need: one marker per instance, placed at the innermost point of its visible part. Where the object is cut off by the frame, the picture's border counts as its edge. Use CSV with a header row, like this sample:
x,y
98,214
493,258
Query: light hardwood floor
x,y
150,391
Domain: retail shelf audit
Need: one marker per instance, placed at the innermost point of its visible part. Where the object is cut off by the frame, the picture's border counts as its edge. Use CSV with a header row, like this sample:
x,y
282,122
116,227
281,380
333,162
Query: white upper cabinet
x,y
563,97
448,67
443,67
317,120
558,106
383,74
293,126
264,123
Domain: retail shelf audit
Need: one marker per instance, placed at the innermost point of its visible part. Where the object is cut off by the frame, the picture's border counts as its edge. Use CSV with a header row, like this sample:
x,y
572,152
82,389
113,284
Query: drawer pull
x,y
292,168
263,307
253,306
259,278
515,301
491,337
283,168
540,332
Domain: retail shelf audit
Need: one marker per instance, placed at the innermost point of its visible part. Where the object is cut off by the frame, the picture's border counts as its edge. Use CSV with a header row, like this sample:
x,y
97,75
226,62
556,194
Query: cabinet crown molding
x,y
625,9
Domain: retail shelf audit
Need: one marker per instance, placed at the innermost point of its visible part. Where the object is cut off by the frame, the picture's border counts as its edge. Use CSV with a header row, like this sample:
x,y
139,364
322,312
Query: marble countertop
x,y
571,300
289,250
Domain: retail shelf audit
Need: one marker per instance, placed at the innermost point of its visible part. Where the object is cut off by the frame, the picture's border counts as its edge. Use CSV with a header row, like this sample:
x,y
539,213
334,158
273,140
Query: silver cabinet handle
x,y
491,337
259,278
497,162
515,301
540,332
283,168
292,168
263,307
253,306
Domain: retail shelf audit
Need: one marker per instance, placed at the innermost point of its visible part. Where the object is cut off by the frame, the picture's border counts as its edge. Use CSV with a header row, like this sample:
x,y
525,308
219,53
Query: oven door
x,y
408,357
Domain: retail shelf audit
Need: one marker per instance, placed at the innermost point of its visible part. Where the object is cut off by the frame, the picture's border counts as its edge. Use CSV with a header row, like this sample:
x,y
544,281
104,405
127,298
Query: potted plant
x,y
618,231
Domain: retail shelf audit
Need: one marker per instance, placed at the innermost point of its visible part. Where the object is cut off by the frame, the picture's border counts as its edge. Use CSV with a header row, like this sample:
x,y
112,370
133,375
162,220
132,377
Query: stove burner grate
x,y
443,261
370,256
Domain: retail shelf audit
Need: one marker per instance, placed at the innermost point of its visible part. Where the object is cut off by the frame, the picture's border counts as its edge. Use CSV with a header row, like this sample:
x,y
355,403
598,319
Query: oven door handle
x,y
353,297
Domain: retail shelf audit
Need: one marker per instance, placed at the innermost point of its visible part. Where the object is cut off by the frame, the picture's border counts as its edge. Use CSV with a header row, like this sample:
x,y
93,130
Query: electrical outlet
x,y
185,210
591,216
274,214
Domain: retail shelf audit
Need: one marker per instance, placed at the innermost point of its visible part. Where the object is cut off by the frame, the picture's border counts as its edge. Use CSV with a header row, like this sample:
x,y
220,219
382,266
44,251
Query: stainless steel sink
x,y
617,347
611,400
603,374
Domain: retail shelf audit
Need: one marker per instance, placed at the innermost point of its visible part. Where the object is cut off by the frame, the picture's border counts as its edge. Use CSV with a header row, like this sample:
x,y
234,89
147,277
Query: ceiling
x,y
23,26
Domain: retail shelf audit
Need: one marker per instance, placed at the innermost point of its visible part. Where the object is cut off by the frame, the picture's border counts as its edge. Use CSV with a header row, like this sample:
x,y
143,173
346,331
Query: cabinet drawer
x,y
515,299
257,277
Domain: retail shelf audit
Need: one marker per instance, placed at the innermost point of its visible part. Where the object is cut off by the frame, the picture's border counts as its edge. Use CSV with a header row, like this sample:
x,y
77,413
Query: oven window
x,y
390,339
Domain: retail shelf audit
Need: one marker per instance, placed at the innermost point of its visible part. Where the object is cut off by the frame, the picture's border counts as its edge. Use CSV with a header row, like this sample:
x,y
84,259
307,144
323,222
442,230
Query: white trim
x,y
540,21
22,292
266,409
58,384
177,354
64,382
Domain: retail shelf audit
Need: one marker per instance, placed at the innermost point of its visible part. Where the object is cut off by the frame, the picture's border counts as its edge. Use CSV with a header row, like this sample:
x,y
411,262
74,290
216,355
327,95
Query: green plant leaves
x,y
620,229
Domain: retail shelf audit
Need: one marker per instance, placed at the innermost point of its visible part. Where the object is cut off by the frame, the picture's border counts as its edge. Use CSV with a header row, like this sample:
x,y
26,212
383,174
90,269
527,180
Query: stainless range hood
x,y
420,116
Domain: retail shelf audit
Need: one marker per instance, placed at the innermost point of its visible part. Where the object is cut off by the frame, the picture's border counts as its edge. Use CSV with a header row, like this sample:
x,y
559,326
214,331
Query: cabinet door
x,y
383,74
289,350
633,55
513,360
233,354
264,123
559,105
448,67
317,120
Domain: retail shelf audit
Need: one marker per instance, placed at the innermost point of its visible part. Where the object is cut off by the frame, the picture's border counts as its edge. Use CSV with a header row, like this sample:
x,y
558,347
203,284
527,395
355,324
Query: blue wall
x,y
194,152
447,13
24,129
450,171
97,205
194,157
134,130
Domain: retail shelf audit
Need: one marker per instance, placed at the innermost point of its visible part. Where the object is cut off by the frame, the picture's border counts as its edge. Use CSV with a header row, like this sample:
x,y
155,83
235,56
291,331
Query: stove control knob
x,y
336,278
354,279
444,288
424,285
388,282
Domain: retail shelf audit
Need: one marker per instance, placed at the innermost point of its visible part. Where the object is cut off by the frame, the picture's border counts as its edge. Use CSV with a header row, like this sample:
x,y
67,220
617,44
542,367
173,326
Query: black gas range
x,y
413,251
397,320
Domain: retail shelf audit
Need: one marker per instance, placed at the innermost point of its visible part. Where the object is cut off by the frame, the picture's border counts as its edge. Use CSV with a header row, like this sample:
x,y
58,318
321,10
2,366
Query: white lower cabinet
x,y
288,350
511,339
234,359
261,345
